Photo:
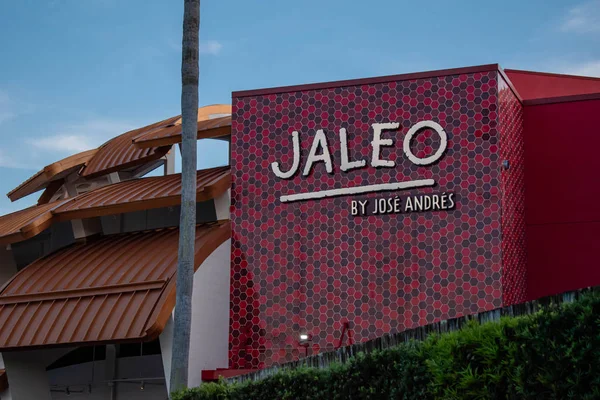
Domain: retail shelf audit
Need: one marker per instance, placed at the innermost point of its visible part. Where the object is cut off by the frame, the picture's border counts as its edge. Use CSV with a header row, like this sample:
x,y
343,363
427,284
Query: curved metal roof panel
x,y
24,224
143,194
119,153
127,196
115,289
207,129
51,173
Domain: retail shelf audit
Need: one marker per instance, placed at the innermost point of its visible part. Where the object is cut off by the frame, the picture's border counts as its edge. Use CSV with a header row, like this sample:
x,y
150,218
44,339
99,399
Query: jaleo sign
x,y
319,152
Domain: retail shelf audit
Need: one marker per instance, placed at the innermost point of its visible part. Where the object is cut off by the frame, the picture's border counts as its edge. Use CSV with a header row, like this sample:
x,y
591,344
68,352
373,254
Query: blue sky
x,y
74,73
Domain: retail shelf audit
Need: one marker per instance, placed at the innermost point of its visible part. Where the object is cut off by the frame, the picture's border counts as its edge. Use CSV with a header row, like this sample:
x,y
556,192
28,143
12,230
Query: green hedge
x,y
552,354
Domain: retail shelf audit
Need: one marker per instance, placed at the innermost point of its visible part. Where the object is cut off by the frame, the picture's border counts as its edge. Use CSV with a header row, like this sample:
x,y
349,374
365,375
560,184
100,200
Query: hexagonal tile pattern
x,y
310,266
514,257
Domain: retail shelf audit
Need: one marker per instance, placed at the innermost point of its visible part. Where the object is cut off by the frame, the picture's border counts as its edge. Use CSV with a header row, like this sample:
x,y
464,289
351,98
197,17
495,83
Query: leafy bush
x,y
553,354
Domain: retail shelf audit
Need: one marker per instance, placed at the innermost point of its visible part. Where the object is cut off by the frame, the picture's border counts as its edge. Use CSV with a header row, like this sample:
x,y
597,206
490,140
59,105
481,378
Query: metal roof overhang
x,y
127,196
207,129
118,288
51,173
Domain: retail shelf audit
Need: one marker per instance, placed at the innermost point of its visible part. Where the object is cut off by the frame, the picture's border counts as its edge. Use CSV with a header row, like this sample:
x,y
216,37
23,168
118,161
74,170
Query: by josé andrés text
x,y
398,205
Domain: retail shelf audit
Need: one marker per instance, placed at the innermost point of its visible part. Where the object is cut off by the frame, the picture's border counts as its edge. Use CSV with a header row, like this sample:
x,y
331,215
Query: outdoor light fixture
x,y
305,338
304,341
142,386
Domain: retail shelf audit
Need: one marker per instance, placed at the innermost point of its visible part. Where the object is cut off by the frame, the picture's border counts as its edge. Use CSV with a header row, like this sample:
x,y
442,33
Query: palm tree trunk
x,y
187,221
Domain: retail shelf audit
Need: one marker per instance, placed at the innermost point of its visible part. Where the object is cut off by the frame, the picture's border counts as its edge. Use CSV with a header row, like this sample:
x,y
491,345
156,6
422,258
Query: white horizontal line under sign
x,y
357,190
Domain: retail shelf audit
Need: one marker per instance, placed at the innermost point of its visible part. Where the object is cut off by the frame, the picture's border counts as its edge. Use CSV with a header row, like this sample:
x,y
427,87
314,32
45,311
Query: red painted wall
x,y
562,175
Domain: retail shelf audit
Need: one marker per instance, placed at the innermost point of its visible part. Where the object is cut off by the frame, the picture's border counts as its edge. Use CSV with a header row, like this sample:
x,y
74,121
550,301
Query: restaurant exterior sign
x,y
319,152
380,202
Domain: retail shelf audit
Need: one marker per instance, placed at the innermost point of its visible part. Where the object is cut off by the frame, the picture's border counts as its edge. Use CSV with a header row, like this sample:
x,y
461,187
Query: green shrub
x,y
553,354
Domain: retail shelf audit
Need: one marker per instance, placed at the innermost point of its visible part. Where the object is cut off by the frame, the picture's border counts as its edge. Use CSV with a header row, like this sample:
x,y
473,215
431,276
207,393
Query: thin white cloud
x,y
70,143
591,68
210,47
6,107
82,136
7,161
584,18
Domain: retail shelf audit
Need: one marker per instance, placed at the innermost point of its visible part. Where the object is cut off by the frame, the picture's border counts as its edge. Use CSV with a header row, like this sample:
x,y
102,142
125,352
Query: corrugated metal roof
x,y
51,173
24,224
117,288
119,153
127,196
207,129
144,194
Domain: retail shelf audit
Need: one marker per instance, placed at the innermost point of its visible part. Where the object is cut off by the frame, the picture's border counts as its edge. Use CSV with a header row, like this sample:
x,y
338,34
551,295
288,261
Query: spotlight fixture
x,y
305,339
142,386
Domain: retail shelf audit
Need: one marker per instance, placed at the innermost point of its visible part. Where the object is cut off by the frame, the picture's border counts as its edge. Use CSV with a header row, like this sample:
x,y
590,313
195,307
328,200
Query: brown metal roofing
x,y
24,224
51,173
116,289
127,196
207,129
143,194
119,153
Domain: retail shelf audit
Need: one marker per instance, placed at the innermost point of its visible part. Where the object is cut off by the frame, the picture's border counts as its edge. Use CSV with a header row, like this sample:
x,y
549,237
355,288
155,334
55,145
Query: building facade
x,y
349,210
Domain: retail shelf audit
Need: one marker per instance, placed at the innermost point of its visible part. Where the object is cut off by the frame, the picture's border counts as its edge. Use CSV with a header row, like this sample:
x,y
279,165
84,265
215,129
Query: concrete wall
x,y
222,204
27,378
210,315
166,347
210,318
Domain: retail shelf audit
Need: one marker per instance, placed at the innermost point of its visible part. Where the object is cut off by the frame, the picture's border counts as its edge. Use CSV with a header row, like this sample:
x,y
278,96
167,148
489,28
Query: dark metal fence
x,y
343,354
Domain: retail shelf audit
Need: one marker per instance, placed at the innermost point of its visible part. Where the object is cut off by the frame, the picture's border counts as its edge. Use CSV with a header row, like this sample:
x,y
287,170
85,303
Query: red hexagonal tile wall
x,y
310,266
514,257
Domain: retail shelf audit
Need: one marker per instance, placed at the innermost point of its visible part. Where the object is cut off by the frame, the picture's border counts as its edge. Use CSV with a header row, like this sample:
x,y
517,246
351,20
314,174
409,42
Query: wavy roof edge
x,y
116,154
207,129
51,172
127,196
